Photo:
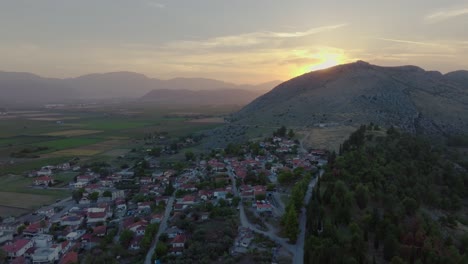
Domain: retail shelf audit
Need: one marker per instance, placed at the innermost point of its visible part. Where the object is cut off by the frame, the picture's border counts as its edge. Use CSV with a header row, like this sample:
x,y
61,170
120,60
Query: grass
x,y
23,140
64,178
26,201
67,143
21,167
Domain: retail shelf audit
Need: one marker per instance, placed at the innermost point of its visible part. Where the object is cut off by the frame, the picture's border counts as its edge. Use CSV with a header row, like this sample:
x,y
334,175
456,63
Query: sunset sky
x,y
241,41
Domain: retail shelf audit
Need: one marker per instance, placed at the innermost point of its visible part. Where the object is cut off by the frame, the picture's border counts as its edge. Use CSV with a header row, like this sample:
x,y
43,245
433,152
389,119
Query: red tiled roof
x,y
19,260
44,178
179,239
17,245
97,215
99,230
70,257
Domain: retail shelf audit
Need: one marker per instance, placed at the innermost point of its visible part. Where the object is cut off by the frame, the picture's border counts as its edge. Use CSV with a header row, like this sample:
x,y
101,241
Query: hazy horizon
x,y
239,42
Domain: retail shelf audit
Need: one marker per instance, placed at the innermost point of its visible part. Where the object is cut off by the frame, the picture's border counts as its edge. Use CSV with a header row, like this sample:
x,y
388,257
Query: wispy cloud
x,y
445,14
251,39
404,41
156,4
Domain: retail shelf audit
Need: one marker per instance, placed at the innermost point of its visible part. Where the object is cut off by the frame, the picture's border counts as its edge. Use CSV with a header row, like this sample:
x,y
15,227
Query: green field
x,y
67,143
92,134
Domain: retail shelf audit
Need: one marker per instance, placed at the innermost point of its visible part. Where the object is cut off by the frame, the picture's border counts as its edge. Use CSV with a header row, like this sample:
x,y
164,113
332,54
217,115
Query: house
x,y
264,207
146,180
19,260
71,220
157,218
142,206
188,200
36,228
17,248
78,185
205,195
90,188
44,172
205,216
96,217
74,236
45,255
100,231
69,258
138,228
44,181
10,226
246,240
42,241
135,244
66,245
177,245
220,193
5,236
180,207
48,211
259,190
173,232
178,241
84,178
64,166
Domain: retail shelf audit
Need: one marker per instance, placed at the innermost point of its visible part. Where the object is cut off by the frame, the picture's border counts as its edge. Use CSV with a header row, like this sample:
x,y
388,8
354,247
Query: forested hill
x,y
389,197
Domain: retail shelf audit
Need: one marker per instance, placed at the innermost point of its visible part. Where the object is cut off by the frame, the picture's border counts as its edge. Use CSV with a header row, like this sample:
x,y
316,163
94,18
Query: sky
x,y
240,41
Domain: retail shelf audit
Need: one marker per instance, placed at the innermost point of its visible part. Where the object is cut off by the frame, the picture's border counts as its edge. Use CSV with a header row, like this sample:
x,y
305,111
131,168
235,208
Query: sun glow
x,y
324,60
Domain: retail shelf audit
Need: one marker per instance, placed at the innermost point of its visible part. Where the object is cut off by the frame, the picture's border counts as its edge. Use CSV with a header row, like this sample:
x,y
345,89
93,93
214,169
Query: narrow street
x,y
299,255
162,228
296,250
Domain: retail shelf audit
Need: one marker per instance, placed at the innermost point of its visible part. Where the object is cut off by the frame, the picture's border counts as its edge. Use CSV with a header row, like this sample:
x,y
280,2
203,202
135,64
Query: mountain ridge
x,y
17,87
404,96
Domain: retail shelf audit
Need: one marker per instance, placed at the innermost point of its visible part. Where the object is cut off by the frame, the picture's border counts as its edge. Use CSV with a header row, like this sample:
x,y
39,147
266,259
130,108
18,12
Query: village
x,y
229,203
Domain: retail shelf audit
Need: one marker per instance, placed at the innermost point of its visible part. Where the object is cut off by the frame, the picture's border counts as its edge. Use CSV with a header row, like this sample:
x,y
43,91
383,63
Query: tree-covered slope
x,y
388,197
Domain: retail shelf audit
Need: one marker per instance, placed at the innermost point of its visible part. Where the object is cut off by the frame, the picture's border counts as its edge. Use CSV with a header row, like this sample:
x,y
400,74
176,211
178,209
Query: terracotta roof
x,y
70,257
19,260
17,245
179,239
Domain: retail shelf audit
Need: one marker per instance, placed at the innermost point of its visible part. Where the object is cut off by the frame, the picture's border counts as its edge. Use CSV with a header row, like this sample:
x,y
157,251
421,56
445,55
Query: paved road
x,y
296,250
299,255
162,228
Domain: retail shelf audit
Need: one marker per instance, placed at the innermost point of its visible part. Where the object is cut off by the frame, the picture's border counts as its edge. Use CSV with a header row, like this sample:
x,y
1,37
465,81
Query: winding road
x,y
296,250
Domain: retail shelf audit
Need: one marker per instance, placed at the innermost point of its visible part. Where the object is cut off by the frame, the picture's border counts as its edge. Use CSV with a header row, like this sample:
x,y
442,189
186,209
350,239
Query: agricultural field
x,y
32,138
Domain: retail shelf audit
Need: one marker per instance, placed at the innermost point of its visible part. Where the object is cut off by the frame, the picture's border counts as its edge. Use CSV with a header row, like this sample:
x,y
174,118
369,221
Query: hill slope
x,y
408,97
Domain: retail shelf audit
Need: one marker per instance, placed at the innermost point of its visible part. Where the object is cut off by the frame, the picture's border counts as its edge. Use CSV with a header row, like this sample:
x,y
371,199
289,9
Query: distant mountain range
x,y
29,88
358,93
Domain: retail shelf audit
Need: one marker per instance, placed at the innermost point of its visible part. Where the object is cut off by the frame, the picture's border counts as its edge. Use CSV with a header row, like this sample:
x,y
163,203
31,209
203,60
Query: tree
x,y
169,190
410,205
94,196
361,195
77,195
161,250
281,132
189,156
155,152
291,133
126,237
291,224
107,194
390,247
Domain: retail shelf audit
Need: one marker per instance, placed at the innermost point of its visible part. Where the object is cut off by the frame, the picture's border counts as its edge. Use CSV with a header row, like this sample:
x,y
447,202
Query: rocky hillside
x,y
408,97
